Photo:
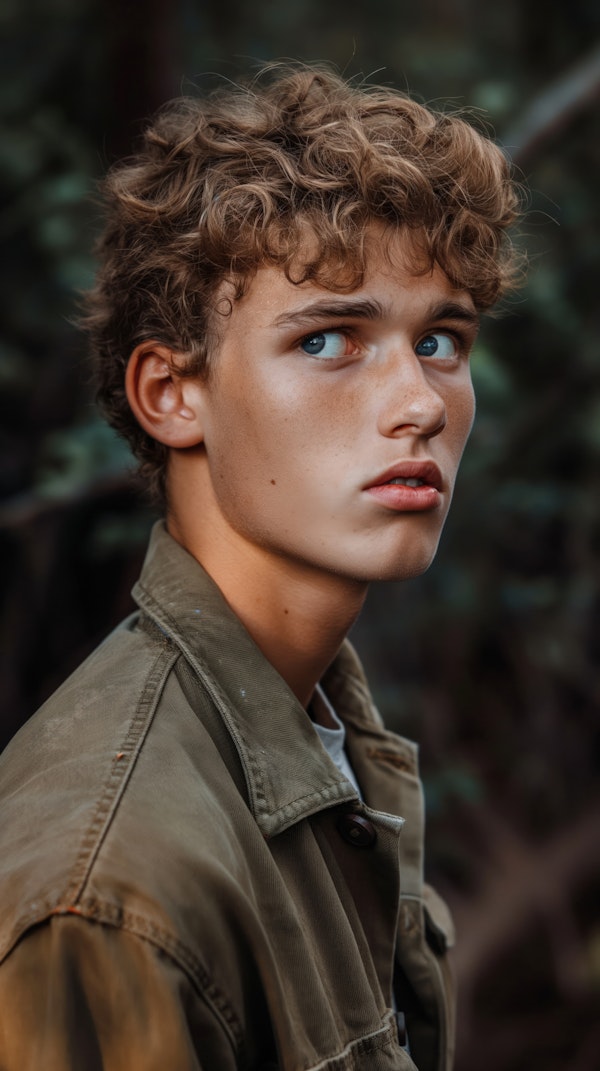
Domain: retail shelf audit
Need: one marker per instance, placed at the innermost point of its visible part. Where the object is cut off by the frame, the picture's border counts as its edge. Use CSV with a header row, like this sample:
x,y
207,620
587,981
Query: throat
x,y
298,621
298,615
300,635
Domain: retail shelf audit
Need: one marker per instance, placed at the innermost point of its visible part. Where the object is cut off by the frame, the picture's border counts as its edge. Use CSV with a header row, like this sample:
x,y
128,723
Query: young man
x,y
211,849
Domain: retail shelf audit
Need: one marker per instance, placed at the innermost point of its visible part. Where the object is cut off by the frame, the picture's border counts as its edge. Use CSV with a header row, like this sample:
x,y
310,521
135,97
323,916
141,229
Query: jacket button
x,y
357,830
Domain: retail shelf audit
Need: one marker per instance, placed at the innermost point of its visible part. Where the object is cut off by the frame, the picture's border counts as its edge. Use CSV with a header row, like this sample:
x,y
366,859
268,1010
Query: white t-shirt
x,y
333,740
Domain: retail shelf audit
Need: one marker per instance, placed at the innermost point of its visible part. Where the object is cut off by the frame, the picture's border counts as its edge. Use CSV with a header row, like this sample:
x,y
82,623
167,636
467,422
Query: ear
x,y
165,403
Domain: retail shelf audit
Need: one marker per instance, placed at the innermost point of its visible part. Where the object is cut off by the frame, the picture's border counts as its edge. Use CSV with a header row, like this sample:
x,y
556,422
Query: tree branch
x,y
553,109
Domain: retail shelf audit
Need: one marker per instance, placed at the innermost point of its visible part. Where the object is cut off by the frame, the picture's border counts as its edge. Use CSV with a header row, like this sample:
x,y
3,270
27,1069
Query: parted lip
x,y
427,471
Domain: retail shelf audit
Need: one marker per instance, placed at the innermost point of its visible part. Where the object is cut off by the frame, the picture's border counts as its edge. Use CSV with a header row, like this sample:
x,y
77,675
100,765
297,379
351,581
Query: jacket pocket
x,y
439,927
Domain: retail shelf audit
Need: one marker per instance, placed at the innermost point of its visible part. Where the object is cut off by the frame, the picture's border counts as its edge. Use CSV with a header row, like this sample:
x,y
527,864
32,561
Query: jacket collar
x,y
288,773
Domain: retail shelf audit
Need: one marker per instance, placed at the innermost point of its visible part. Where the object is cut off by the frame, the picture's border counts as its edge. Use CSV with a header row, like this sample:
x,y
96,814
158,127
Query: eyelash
x,y
350,333
462,341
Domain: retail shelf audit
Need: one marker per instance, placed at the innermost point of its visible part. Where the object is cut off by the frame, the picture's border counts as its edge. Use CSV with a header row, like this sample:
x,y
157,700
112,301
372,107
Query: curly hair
x,y
225,184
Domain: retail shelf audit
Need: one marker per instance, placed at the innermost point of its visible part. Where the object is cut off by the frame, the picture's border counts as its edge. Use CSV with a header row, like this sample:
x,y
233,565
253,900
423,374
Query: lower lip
x,y
398,496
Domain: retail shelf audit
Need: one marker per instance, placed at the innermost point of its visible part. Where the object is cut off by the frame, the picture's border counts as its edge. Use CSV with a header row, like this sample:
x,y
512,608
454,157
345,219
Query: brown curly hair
x,y
225,184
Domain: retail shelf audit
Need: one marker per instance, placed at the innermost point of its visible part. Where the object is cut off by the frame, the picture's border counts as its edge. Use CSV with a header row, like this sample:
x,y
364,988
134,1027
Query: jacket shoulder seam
x,y
104,913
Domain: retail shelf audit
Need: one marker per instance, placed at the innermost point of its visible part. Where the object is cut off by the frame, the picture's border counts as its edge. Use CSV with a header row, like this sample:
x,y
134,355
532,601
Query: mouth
x,y
407,481
408,487
410,474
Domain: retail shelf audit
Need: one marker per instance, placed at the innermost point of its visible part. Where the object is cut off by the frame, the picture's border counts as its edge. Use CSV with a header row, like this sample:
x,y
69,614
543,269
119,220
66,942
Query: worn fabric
x,y
186,879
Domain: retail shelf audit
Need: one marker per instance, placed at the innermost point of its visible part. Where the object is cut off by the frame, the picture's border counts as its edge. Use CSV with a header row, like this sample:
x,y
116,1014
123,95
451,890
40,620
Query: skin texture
x,y
273,456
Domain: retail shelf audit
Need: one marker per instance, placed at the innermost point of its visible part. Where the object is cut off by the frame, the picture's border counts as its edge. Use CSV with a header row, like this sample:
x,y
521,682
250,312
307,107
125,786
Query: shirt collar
x,y
288,773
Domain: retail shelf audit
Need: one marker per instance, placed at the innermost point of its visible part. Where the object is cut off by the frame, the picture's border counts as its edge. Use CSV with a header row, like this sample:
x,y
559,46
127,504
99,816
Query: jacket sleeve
x,y
75,994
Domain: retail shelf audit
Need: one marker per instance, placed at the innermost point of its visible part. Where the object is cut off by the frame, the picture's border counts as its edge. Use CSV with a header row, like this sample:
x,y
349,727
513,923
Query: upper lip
x,y
427,471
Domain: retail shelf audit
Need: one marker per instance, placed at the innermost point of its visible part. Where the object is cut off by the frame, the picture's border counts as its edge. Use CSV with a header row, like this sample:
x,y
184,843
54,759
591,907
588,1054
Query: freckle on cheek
x,y
273,482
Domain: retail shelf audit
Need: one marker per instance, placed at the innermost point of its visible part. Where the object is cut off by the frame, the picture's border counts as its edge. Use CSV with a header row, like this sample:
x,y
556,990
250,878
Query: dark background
x,y
489,660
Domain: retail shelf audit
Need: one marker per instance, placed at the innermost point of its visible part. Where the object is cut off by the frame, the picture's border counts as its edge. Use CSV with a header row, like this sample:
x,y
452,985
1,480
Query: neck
x,y
296,614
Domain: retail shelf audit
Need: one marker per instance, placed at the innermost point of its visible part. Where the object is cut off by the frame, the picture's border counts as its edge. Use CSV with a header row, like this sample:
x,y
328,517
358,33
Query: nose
x,y
410,401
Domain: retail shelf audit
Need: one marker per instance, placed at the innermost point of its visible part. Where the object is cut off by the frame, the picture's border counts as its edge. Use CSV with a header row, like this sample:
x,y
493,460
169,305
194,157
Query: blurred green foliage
x,y
490,660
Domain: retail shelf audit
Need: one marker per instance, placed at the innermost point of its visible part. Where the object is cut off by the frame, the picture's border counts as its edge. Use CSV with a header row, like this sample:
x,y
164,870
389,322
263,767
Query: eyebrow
x,y
362,308
369,309
455,310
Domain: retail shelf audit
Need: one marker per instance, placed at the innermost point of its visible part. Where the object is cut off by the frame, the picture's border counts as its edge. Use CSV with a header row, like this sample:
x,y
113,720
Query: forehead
x,y
397,281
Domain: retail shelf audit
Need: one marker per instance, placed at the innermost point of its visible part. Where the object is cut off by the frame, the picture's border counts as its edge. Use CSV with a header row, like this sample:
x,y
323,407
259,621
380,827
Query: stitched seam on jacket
x,y
121,769
212,686
106,914
381,1039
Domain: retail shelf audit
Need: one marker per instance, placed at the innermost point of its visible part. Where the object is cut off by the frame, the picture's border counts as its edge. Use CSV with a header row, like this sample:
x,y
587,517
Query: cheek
x,y
283,421
461,413
285,434
256,443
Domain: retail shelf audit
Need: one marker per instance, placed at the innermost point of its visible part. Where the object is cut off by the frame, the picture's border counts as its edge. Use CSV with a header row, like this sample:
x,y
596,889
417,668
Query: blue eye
x,y
326,344
443,347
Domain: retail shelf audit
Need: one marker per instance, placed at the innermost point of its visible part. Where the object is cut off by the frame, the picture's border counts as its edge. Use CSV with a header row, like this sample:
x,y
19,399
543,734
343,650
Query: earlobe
x,y
163,402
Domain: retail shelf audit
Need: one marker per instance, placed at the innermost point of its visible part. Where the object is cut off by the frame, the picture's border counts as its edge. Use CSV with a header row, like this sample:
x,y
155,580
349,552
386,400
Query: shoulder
x,y
135,997
115,800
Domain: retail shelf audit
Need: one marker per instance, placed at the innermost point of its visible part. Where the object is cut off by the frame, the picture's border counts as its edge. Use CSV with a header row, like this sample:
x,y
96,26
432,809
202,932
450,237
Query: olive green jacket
x,y
188,882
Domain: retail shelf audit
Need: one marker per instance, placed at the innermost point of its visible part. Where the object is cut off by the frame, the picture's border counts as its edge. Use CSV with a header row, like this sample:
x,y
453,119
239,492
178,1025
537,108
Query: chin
x,y
397,567
403,571
409,552
404,566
